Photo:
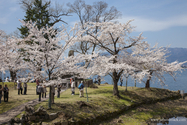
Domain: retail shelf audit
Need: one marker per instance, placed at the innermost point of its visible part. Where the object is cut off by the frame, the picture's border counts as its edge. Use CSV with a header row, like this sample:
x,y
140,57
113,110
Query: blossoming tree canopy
x,y
9,55
46,54
114,39
152,60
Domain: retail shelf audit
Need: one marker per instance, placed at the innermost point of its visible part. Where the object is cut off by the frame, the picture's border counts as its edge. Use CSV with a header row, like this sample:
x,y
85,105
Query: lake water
x,y
179,84
173,121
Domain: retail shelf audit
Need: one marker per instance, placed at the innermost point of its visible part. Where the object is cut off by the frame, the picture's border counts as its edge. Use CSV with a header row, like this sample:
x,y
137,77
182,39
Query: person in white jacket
x,y
73,87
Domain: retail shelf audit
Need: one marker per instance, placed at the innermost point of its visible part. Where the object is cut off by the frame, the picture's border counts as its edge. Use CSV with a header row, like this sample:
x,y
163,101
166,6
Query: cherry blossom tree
x,y
153,61
114,38
46,59
10,57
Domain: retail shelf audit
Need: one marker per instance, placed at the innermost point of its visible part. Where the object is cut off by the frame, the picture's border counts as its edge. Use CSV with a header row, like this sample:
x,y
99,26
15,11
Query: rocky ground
x,y
6,116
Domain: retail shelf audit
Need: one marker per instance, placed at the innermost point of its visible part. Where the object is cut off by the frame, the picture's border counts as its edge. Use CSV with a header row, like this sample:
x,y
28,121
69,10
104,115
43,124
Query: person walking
x,y
99,80
81,89
44,92
73,87
25,88
39,91
6,92
21,88
18,86
58,90
37,84
1,93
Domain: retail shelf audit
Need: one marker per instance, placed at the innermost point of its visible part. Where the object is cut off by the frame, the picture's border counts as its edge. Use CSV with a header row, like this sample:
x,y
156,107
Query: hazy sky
x,y
161,21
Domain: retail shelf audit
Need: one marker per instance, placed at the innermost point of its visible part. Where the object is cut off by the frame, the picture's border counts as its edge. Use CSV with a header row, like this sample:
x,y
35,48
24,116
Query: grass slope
x,y
101,103
15,99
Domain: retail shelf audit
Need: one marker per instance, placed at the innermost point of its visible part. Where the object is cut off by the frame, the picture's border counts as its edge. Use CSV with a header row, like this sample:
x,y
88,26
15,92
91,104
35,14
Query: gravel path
x,y
6,116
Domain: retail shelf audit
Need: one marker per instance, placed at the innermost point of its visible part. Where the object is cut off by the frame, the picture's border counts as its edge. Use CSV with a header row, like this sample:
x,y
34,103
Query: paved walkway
x,y
6,116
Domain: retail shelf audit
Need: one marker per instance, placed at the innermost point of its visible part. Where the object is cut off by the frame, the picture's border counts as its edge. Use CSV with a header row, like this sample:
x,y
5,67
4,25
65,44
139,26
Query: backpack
x,y
81,86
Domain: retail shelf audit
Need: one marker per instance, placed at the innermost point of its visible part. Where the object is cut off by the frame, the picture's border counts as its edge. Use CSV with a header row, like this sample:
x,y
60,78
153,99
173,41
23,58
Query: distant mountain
x,y
179,54
174,54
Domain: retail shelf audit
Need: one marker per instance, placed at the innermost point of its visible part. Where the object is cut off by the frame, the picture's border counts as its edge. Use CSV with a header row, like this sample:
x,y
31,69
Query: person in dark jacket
x,y
25,88
6,92
58,90
40,91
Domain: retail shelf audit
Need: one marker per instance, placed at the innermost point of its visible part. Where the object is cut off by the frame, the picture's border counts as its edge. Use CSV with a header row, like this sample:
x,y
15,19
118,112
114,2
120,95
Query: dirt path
x,y
6,116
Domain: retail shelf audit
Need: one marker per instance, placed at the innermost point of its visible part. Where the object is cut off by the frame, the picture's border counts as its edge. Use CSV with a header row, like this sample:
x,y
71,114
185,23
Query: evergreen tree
x,y
39,14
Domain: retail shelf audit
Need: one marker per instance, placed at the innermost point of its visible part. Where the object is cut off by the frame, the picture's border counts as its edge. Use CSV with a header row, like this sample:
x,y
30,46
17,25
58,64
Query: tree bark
x,y
115,88
147,85
126,84
13,76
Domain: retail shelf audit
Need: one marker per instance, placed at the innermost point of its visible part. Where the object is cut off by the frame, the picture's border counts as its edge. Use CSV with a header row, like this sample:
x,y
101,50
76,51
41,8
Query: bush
x,y
93,86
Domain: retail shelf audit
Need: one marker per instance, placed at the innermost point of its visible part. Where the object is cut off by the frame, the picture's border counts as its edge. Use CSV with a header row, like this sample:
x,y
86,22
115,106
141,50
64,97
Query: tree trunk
x,y
13,76
115,80
147,85
126,83
49,102
135,83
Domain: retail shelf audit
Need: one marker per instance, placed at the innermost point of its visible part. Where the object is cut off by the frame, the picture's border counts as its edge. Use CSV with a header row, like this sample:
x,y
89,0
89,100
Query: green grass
x,y
102,101
15,99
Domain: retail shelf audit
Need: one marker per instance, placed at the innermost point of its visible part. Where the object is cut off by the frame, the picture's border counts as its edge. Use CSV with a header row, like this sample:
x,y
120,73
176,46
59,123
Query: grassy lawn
x,y
102,102
15,99
144,113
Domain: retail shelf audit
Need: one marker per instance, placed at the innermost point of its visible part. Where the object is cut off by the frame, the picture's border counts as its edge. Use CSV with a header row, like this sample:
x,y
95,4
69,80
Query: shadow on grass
x,y
103,91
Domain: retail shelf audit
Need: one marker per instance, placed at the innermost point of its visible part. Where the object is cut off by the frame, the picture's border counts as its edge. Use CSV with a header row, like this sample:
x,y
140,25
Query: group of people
x,y
20,88
4,90
80,87
40,90
6,79
98,80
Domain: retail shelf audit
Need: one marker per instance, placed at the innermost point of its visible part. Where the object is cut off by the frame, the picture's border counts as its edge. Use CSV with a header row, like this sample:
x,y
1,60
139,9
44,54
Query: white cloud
x,y
146,24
